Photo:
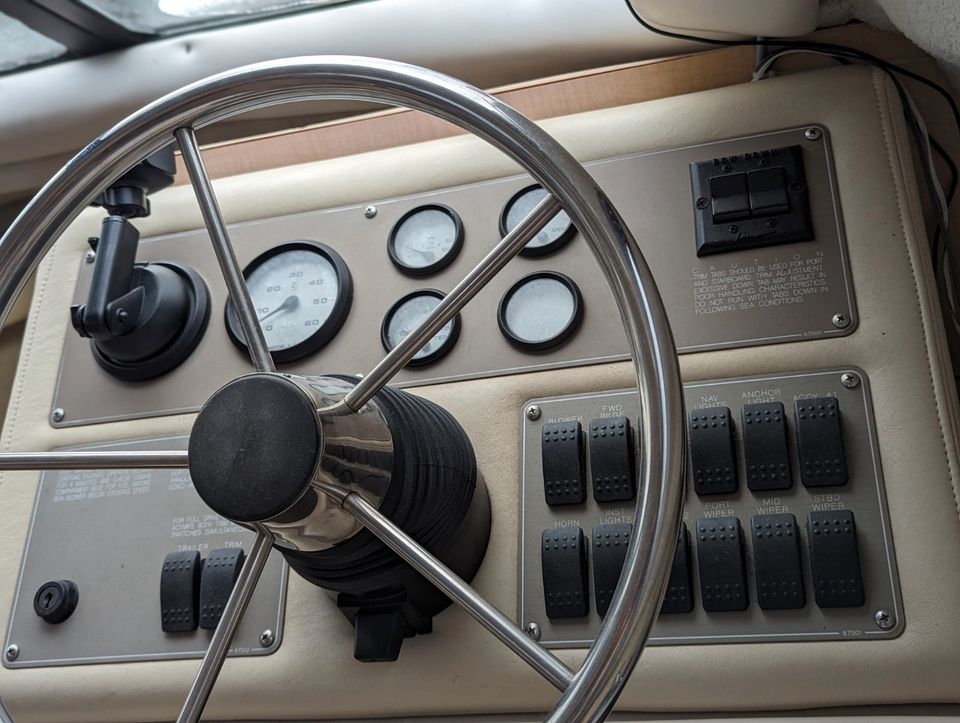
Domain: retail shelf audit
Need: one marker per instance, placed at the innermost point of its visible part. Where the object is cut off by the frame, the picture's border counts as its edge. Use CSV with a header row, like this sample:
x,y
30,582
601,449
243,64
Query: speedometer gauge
x,y
301,292
425,240
540,311
405,315
558,231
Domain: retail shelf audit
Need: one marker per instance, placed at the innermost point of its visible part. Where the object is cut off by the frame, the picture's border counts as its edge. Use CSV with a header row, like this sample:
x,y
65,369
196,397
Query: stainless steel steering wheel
x,y
588,694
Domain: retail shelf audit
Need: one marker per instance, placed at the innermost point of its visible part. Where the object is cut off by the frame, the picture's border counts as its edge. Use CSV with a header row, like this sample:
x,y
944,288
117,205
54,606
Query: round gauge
x,y
552,237
425,240
301,292
404,316
540,311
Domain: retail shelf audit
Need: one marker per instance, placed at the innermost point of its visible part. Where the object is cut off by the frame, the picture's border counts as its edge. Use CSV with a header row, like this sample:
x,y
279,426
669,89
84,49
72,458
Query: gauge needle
x,y
289,303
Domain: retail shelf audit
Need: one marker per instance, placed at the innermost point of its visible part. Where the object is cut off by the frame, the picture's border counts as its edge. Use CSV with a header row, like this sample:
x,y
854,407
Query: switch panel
x,y
611,460
750,200
679,595
766,456
562,453
835,559
609,551
823,462
723,577
711,450
563,560
776,561
749,565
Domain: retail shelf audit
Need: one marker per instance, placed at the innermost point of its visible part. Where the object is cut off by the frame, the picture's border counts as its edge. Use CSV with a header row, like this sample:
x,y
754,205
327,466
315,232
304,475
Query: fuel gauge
x,y
540,311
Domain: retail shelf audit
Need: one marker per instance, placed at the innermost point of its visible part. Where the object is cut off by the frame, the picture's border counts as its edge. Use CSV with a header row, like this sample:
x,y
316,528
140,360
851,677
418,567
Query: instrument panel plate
x,y
743,298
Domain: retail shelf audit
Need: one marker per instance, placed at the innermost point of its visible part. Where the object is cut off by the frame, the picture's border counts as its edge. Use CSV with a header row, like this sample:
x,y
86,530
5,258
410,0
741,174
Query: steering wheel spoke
x,y
176,459
453,302
229,267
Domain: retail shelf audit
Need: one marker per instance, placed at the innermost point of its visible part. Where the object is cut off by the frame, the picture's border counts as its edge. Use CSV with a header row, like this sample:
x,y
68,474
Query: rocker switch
x,y
711,450
611,460
562,456
679,595
180,591
609,551
220,571
820,442
563,559
835,559
723,580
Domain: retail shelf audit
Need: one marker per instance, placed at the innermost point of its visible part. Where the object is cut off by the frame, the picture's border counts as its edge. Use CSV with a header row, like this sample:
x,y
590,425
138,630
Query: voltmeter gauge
x,y
540,311
558,231
404,316
301,292
425,240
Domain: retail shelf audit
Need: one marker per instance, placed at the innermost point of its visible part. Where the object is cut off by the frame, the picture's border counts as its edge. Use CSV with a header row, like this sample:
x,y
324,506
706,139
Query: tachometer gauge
x,y
540,311
301,292
425,240
404,316
552,237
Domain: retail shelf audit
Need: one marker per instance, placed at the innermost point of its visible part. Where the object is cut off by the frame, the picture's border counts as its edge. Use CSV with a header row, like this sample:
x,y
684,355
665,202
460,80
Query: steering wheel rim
x,y
593,690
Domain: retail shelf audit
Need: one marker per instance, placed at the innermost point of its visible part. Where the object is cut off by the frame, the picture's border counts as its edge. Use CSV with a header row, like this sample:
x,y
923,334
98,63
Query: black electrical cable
x,y
844,50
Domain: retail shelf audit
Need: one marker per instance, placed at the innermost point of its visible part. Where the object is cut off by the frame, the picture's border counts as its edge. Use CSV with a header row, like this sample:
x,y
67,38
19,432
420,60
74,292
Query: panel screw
x,y
532,630
850,380
702,202
12,652
884,619
533,412
266,638
813,134
732,228
370,211
841,321
90,257
58,414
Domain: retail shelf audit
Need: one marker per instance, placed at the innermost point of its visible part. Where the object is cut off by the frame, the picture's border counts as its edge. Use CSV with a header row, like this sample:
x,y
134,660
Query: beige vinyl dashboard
x,y
898,342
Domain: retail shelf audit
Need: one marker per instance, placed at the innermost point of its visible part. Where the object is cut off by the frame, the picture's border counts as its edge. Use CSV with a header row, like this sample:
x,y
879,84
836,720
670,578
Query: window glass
x,y
20,46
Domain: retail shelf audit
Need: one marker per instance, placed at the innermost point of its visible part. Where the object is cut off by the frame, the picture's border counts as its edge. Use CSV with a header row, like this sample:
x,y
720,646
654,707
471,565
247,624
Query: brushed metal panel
x,y
751,297
863,494
108,531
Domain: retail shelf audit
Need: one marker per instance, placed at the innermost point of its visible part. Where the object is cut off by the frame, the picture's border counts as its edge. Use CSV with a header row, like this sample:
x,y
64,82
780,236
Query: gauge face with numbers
x,y
425,240
551,237
540,311
404,316
301,292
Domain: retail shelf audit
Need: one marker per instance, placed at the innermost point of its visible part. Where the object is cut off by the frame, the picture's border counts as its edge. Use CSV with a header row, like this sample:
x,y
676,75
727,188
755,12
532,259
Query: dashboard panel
x,y
895,341
757,294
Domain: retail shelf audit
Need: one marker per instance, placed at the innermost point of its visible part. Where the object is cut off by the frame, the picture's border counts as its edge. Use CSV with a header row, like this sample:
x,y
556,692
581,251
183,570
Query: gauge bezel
x,y
528,251
559,338
326,331
445,260
434,356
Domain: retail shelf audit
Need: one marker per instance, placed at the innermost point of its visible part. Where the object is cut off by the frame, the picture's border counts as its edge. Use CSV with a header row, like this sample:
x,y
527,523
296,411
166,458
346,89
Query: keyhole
x,y
47,599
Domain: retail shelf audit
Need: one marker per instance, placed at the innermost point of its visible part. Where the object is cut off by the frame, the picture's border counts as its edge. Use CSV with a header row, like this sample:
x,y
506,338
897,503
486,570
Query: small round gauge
x,y
558,231
301,292
540,311
404,316
425,240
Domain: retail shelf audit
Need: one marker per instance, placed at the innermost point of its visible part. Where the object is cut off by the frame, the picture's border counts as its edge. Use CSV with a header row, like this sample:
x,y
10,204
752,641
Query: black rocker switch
x,y
679,595
766,455
220,571
729,199
723,580
776,562
712,452
180,592
823,462
835,559
611,460
562,456
563,559
609,551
